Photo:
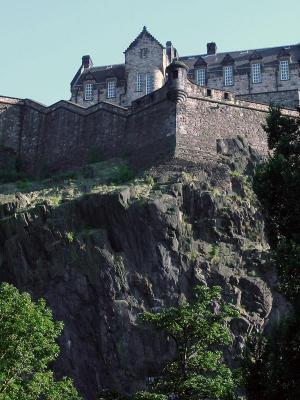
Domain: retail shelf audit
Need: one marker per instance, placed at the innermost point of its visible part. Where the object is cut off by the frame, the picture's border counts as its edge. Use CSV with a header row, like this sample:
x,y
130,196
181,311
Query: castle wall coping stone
x,y
10,100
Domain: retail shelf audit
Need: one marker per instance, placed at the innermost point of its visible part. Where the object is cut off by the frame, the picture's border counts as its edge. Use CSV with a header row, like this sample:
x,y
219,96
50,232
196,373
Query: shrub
x,y
70,237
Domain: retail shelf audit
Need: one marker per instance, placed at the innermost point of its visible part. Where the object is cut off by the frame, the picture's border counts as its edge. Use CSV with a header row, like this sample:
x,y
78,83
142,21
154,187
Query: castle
x,y
155,107
263,76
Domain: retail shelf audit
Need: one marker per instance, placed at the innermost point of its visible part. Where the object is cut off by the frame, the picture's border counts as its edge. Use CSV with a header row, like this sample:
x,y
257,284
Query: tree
x,y
272,362
200,332
277,185
27,346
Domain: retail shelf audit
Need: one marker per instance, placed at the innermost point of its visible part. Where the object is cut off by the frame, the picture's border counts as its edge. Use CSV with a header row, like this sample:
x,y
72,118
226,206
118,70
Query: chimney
x,y
170,51
87,62
211,48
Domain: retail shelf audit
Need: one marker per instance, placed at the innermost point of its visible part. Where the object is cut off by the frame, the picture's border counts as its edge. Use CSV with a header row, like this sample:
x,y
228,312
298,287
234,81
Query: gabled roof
x,y
100,74
227,60
283,53
200,62
146,33
255,56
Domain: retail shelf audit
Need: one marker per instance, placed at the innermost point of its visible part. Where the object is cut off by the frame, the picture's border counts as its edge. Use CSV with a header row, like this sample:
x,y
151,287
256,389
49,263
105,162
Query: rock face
x,y
102,259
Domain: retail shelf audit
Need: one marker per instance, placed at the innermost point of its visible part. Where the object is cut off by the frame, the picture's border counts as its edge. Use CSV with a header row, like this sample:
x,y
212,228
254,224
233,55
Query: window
x,y
111,89
208,92
256,73
88,91
138,82
284,70
228,75
143,53
149,83
201,76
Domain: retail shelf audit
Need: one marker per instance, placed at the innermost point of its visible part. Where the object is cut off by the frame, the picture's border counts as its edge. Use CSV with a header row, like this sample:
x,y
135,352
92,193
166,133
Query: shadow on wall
x,y
66,136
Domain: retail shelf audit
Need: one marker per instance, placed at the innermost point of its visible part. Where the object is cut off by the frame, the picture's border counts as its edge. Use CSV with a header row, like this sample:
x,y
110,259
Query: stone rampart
x,y
155,127
211,114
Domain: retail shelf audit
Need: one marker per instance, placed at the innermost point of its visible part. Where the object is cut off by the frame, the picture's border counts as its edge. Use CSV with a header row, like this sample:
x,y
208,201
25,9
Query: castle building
x,y
270,75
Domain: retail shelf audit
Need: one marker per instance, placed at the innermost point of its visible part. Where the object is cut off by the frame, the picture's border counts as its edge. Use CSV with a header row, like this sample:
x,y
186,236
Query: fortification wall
x,y
11,114
157,126
208,115
151,129
64,135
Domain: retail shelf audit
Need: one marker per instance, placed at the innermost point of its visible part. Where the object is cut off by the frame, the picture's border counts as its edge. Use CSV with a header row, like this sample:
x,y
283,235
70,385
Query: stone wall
x,y
11,114
146,56
157,126
285,98
211,114
100,93
270,83
64,135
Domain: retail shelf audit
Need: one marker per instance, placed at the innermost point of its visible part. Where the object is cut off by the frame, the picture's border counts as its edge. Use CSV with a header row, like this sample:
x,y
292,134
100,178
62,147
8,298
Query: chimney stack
x,y
171,51
87,62
211,48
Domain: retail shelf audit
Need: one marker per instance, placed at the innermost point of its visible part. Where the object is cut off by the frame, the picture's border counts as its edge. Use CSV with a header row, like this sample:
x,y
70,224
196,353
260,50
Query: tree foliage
x,y
272,363
277,184
200,332
27,346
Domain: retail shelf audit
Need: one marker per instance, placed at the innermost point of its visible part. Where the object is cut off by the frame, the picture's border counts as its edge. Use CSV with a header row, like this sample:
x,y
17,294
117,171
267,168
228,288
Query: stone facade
x,y
263,75
180,120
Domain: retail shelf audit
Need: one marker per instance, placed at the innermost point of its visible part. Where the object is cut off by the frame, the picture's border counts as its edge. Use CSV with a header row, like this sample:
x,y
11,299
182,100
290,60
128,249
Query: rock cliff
x,y
102,254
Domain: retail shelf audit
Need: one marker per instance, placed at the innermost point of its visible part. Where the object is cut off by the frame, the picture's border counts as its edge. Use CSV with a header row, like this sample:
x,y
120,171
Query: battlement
x,y
181,120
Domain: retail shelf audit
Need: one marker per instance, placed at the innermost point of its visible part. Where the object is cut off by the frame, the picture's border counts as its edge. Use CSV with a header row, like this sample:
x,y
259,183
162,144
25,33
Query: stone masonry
x,y
270,75
181,120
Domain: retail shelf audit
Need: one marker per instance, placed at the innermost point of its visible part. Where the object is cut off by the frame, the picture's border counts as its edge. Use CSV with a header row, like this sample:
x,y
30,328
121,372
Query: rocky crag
x,y
101,254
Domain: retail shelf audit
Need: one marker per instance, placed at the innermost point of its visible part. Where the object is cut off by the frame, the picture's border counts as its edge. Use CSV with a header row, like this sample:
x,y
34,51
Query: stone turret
x,y
177,81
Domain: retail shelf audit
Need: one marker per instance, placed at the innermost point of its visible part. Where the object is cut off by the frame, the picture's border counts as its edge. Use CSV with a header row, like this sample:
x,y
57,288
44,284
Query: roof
x,y
146,33
242,58
100,74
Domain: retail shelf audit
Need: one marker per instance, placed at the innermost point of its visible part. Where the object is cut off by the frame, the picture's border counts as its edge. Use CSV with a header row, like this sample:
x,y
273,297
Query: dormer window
x,y
138,82
149,83
228,75
201,76
88,91
111,89
256,72
284,70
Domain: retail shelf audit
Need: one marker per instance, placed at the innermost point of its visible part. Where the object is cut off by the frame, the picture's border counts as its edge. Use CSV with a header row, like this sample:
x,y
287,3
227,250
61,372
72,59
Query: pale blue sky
x,y
42,41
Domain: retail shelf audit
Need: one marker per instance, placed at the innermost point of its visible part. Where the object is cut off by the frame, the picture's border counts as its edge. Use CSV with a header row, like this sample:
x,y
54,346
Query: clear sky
x,y
42,41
